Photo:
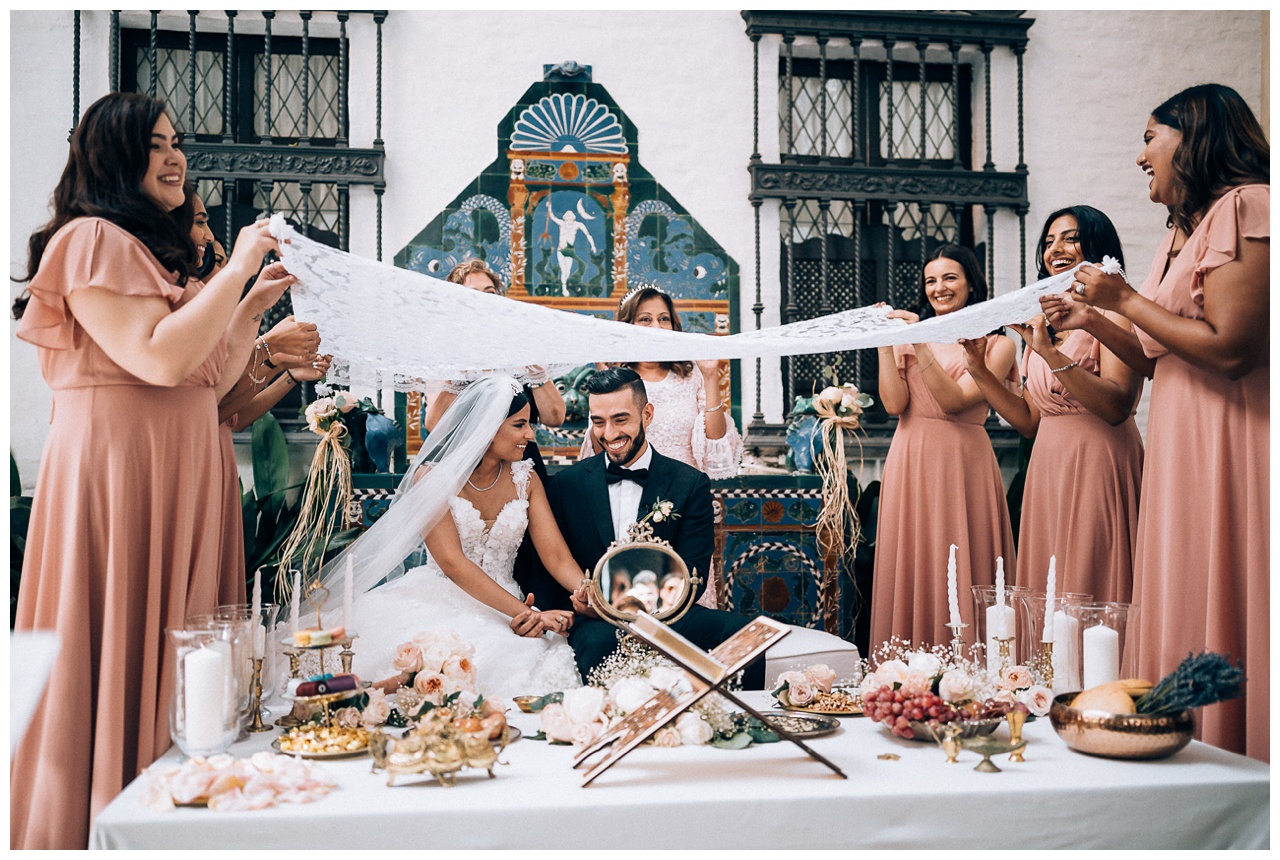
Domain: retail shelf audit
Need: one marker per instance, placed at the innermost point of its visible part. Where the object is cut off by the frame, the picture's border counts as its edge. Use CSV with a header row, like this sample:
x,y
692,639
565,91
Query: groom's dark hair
x,y
614,379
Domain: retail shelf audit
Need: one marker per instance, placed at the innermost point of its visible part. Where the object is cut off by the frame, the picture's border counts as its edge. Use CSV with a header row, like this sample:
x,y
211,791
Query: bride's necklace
x,y
491,486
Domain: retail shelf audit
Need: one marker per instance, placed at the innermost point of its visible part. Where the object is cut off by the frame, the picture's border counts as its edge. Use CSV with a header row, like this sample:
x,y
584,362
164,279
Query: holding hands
x,y
533,623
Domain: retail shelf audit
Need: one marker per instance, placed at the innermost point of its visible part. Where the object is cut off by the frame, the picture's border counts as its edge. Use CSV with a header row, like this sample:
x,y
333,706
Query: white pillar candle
x,y
953,599
998,617
1047,636
1066,662
293,599
205,692
1001,630
256,616
348,577
1101,656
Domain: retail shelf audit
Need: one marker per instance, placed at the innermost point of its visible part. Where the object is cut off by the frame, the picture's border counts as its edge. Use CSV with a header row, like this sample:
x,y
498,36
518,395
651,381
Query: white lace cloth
x,y
679,428
389,325
425,599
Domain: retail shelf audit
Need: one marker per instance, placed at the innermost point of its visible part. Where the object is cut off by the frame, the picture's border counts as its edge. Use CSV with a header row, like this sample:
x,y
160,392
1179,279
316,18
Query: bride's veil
x,y
451,453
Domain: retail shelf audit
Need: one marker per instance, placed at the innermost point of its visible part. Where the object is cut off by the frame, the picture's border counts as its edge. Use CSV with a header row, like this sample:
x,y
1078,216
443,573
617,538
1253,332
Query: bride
x,y
471,469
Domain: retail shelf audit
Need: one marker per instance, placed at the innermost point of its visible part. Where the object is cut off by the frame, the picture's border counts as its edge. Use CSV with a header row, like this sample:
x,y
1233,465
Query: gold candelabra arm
x,y
255,698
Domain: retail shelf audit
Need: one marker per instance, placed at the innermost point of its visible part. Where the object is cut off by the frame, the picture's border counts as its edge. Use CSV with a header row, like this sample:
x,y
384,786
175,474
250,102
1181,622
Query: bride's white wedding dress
x,y
425,599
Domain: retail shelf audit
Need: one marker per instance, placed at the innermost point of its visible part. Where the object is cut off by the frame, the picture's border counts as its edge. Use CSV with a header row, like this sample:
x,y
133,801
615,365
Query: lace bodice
x,y
493,547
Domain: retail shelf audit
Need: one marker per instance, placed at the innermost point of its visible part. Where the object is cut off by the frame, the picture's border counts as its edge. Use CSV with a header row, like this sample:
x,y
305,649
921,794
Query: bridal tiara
x,y
631,293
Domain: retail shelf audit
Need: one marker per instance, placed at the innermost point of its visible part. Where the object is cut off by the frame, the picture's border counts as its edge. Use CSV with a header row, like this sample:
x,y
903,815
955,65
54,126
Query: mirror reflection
x,y
645,578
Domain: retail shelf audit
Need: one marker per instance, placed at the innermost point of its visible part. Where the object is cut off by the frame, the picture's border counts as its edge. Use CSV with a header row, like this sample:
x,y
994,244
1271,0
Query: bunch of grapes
x,y
897,709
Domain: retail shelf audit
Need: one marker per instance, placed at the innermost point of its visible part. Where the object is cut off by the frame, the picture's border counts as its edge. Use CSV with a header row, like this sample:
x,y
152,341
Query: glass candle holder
x,y
260,643
240,639
984,609
1103,635
204,715
1066,637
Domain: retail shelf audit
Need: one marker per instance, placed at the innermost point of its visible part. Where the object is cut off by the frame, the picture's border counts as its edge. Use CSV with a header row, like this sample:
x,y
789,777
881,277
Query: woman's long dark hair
x,y
1222,147
973,275
1098,236
109,157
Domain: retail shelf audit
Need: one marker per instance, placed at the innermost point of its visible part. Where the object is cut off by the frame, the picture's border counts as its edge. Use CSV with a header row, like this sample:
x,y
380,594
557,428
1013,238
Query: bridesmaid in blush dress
x,y
1202,567
1080,501
941,483
126,524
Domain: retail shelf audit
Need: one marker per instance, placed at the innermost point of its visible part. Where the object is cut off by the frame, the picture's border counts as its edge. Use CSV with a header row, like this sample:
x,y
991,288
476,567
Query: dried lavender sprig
x,y
1201,679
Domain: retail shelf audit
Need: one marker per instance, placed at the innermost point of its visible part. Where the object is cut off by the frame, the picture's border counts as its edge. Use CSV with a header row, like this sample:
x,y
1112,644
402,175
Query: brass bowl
x,y
1127,736
524,703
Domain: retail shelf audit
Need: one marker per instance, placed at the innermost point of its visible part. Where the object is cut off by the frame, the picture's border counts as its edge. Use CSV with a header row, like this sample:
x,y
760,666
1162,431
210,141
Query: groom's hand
x,y
578,598
527,623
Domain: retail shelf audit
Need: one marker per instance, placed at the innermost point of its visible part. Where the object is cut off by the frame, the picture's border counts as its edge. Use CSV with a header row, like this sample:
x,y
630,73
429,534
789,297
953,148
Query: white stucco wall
x,y
684,79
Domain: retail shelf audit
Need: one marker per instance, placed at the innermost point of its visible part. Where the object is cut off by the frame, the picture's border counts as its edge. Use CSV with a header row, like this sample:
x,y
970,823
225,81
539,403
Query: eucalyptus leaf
x,y
548,699
763,736
741,740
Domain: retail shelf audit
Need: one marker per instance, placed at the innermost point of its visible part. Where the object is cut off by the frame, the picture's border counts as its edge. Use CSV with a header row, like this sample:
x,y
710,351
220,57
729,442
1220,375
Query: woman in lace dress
x,y
467,585
686,426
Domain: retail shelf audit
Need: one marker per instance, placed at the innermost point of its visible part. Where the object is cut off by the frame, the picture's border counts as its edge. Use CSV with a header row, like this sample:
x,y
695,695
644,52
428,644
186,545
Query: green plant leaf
x,y
548,699
270,457
763,736
741,740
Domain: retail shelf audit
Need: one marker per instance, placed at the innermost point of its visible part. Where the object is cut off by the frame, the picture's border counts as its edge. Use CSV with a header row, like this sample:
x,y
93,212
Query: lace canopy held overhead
x,y
386,325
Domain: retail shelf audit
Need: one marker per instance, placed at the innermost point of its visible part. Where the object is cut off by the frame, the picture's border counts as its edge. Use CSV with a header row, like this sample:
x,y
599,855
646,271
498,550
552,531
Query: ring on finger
x,y
1079,288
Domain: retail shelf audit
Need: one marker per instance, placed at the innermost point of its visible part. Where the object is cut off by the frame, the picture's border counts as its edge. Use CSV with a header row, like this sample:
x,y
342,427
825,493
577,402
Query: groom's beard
x,y
627,454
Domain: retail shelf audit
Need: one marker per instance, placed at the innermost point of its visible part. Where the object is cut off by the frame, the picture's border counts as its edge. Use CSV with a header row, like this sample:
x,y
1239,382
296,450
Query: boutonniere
x,y
662,510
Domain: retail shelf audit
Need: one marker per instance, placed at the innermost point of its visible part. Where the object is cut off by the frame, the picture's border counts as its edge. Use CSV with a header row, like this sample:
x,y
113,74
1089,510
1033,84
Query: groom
x,y
596,499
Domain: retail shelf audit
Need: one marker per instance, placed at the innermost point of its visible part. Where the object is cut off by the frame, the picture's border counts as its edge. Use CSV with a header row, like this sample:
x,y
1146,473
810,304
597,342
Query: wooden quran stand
x,y
705,672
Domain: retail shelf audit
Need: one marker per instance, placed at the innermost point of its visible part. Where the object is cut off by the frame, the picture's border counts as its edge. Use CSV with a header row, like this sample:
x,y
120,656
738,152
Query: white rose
x,y
668,736
584,704
376,712
787,678
955,686
694,730
800,692
870,683
628,694
666,678
891,672
915,683
850,402
923,661
822,676
831,395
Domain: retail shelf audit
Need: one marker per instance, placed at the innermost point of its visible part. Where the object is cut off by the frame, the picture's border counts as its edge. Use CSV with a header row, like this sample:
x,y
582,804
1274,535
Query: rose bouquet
x,y
934,687
798,689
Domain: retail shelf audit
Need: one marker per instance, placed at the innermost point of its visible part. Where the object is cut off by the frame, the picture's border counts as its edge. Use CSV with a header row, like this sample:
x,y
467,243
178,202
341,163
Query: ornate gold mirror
x,y
642,574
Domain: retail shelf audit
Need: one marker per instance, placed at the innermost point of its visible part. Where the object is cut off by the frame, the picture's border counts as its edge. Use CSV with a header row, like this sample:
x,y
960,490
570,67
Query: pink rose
x,y
347,718
668,736
800,692
408,658
955,686
585,734
870,683
915,683
431,686
375,713
1038,699
1015,677
821,675
343,401
786,679
556,723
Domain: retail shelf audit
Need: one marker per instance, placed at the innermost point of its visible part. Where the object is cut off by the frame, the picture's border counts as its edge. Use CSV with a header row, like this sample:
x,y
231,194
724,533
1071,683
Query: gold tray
x,y
808,726
857,712
364,750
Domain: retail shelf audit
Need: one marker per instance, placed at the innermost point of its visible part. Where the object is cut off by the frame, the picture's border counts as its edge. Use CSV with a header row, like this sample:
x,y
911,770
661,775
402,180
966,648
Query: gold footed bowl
x,y
1127,736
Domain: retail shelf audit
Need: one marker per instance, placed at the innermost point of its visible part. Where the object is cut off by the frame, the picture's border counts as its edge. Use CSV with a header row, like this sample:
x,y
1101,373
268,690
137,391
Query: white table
x,y
767,796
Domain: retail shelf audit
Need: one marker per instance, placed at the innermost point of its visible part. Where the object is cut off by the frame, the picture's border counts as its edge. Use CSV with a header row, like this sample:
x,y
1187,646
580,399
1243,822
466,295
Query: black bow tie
x,y
615,473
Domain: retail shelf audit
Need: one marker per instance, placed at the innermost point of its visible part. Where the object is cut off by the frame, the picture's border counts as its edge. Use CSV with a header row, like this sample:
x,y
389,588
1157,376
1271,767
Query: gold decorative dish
x,y
923,731
1127,736
524,703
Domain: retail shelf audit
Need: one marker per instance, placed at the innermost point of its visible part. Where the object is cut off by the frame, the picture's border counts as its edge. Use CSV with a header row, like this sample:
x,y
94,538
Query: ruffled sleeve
x,y
1242,213
88,252
719,458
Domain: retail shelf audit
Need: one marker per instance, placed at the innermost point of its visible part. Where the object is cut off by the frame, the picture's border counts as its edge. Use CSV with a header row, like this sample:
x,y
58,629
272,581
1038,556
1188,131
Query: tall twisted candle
x,y
1002,629
256,616
953,598
293,600
1048,600
347,577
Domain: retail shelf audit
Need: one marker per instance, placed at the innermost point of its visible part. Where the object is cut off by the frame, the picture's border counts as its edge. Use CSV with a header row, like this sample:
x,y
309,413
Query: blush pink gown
x,y
124,540
1202,567
941,486
1080,501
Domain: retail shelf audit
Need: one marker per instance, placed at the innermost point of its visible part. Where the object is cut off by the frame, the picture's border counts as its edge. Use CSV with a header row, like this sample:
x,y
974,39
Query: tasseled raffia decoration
x,y
325,499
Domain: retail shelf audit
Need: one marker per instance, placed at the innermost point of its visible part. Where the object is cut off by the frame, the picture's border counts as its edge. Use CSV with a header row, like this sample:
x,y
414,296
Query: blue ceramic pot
x,y
804,438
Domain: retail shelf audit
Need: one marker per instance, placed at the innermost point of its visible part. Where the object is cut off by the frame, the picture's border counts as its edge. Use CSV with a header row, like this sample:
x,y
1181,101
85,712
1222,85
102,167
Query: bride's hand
x,y
557,621
527,623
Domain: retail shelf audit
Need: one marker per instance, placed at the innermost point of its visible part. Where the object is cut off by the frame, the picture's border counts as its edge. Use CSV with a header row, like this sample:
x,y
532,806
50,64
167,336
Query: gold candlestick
x,y
1048,663
1016,720
346,654
255,698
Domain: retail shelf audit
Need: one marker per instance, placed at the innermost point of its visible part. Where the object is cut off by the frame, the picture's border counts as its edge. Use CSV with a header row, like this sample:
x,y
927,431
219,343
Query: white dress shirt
x,y
624,497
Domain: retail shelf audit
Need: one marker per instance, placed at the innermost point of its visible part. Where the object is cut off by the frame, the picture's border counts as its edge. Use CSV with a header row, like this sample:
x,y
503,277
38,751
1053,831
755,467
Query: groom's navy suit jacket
x,y
579,498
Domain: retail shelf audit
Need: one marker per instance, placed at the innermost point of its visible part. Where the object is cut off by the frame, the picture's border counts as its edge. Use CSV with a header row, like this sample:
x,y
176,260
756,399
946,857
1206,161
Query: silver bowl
x,y
923,730
1127,736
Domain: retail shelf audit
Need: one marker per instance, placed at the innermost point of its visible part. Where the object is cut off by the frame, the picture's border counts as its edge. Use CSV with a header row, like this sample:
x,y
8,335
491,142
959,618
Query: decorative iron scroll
x,y
285,163
904,185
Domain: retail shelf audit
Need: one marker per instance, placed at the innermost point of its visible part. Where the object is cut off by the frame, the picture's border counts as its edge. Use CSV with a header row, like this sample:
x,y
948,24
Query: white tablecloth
x,y
767,796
